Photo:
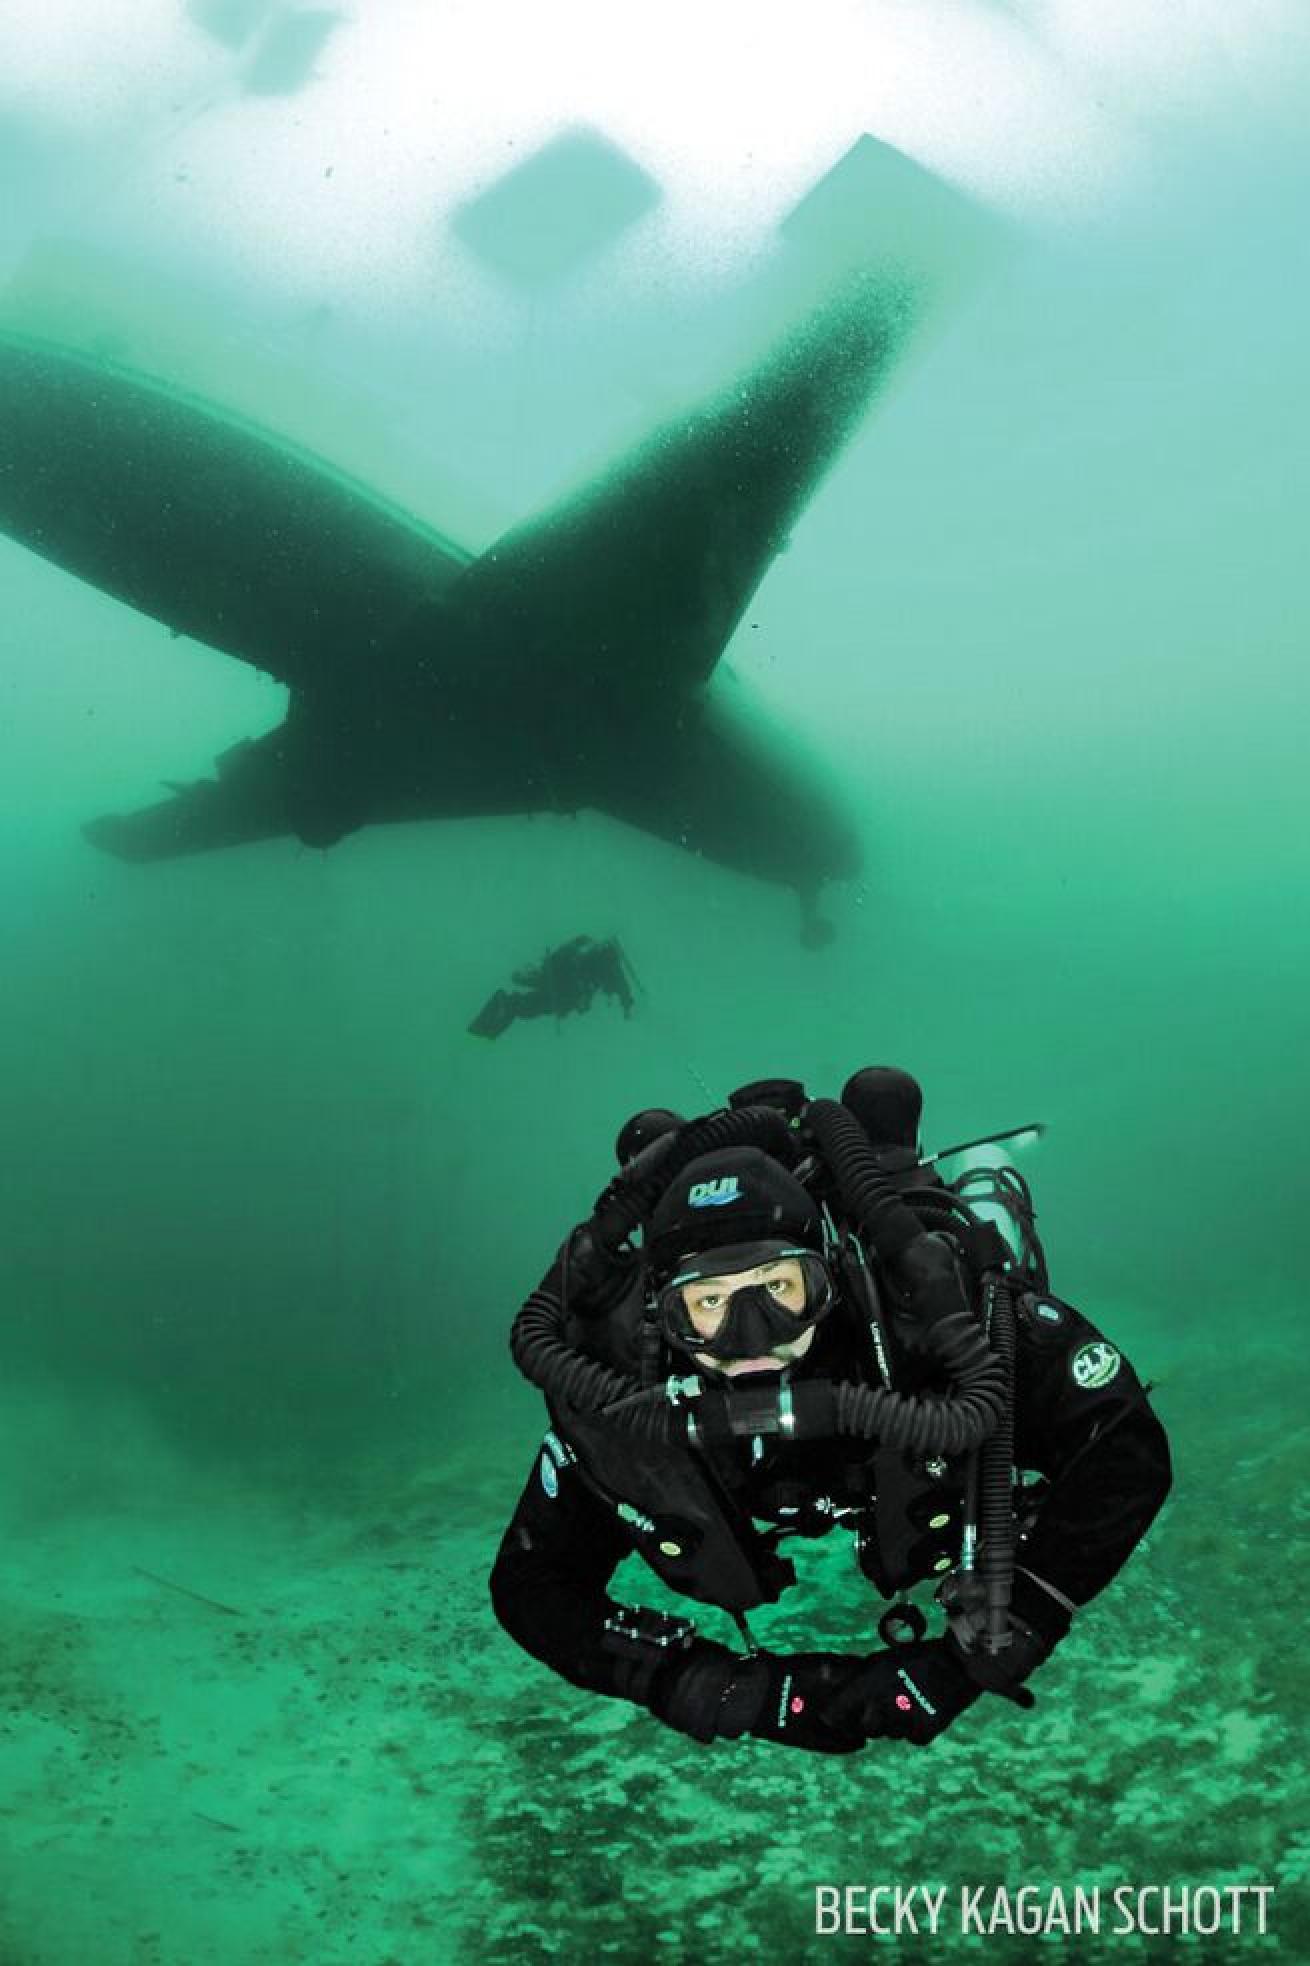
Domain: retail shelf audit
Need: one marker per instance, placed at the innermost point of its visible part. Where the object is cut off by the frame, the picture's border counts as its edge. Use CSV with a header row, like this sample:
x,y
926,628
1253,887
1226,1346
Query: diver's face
x,y
707,1305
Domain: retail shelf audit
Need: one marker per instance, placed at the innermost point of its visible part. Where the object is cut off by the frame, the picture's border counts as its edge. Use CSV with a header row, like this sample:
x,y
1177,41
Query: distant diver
x,y
564,983
780,1322
566,668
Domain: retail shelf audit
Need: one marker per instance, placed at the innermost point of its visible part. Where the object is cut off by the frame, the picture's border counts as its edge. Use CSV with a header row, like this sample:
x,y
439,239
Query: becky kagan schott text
x,y
1117,1910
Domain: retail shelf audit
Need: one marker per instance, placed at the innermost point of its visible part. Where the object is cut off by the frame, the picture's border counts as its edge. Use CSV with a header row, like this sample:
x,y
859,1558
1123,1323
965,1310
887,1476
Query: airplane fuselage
x,y
567,668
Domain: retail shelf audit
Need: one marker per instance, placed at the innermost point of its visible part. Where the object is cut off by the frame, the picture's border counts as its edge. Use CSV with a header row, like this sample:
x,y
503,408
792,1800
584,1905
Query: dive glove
x,y
908,1693
593,1274
1037,1621
827,1702
928,1273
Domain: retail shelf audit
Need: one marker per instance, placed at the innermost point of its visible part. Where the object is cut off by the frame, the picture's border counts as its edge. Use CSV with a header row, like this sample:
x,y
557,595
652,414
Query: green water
x,y
267,1210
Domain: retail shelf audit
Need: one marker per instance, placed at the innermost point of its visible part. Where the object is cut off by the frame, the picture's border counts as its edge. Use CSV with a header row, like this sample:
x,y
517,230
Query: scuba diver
x,y
781,1321
565,981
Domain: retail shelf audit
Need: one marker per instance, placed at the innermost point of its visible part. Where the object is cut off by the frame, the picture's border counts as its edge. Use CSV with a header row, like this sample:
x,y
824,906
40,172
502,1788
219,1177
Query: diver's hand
x,y
593,1274
927,1272
625,1200
826,1702
712,1694
807,1701
1036,1624
909,1693
611,1218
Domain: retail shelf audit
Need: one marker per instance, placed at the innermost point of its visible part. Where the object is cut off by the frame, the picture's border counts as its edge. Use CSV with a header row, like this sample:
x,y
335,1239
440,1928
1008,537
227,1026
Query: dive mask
x,y
747,1321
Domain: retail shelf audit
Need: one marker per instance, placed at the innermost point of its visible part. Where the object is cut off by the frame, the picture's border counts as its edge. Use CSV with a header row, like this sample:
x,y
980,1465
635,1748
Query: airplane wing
x,y
730,788
205,521
640,580
248,799
194,819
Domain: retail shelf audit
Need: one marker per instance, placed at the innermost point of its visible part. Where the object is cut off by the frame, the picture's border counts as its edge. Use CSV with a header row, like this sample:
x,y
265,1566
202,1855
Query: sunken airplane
x,y
563,669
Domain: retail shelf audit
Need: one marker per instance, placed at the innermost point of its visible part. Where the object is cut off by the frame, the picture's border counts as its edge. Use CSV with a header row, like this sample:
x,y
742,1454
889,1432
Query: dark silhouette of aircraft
x,y
565,668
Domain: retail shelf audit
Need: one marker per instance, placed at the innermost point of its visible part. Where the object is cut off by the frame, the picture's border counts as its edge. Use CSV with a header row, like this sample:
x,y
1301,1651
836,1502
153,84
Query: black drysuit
x,y
1082,1421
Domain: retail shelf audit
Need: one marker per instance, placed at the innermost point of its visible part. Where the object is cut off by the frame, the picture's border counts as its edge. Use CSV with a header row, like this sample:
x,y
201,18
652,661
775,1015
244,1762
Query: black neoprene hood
x,y
737,1197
